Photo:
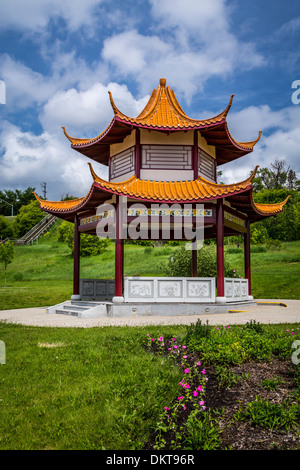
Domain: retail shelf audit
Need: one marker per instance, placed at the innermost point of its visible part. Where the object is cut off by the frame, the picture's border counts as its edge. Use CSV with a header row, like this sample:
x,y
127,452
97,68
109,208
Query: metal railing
x,y
38,230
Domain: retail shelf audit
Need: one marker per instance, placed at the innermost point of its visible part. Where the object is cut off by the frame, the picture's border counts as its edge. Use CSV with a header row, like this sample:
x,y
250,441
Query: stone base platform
x,y
94,309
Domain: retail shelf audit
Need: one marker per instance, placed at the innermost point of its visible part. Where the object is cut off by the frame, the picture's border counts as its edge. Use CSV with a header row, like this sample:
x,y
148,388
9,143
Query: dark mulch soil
x,y
244,435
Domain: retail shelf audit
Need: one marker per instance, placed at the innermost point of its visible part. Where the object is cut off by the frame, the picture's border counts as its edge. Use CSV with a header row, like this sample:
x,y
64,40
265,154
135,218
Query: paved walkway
x,y
268,311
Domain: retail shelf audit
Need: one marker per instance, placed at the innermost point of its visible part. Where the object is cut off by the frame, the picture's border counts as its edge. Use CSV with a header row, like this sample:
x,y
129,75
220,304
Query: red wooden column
x,y
195,155
119,255
220,252
76,261
137,153
194,263
247,258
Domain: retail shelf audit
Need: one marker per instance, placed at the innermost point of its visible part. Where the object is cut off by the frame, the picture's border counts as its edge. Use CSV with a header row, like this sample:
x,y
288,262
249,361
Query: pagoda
x,y
158,161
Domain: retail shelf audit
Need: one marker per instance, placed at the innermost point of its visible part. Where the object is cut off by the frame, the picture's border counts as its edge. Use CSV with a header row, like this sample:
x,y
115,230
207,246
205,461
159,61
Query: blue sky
x,y
58,59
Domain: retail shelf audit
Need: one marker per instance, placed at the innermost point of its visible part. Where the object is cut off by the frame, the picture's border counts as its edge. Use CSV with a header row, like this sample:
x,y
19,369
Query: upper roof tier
x,y
163,113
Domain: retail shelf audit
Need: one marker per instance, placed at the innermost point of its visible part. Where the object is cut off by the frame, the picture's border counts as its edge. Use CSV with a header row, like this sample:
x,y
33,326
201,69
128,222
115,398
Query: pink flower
x,y
166,408
175,347
180,398
184,347
186,386
203,371
186,371
200,389
184,407
198,363
233,270
169,349
195,394
184,357
201,403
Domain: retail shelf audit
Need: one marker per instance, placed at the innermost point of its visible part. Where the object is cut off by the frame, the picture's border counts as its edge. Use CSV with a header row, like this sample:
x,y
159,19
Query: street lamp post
x,y
12,207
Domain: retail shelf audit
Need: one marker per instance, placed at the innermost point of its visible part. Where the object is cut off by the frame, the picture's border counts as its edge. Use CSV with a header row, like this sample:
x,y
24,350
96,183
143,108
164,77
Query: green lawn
x,y
41,275
77,388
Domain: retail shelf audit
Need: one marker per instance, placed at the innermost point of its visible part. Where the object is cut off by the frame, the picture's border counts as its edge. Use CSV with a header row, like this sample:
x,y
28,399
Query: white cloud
x,y
281,139
191,42
24,87
88,112
34,15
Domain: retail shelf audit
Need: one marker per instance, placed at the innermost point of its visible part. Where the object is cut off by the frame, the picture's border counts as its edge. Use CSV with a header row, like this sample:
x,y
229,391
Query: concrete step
x,y
64,311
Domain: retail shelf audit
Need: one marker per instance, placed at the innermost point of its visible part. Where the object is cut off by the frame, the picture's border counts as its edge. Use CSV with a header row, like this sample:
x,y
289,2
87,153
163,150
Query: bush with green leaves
x,y
180,263
89,244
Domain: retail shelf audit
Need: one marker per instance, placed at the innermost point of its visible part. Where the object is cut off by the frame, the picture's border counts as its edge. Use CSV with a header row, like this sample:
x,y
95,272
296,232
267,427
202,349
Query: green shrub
x,y
180,263
89,244
270,415
232,250
258,249
274,245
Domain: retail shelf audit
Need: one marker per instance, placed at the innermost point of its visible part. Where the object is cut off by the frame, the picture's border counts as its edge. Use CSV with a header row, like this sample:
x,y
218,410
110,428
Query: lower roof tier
x,y
200,190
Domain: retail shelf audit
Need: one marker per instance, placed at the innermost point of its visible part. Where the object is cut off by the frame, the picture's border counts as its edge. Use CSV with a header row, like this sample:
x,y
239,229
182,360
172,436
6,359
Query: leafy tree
x,y
17,198
28,217
7,228
6,256
89,244
275,177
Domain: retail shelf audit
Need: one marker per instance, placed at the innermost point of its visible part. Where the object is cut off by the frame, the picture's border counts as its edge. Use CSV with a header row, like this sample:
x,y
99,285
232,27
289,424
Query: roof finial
x,y
162,82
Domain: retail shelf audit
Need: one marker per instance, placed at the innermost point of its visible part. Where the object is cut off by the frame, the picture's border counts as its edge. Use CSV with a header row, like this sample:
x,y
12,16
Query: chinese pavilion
x,y
165,157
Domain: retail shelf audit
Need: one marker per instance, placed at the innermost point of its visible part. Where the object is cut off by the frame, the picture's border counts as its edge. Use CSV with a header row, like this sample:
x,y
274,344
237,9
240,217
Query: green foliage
x,y
7,228
89,244
274,245
201,431
17,198
284,226
7,254
258,233
223,346
180,263
271,384
270,415
28,217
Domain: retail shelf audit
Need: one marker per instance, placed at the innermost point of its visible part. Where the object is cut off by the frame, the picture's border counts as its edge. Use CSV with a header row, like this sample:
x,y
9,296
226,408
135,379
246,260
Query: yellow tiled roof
x,y
189,190
271,208
164,112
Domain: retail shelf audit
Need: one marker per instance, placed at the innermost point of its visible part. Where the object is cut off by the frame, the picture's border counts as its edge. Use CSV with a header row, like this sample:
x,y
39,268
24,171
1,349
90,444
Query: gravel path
x,y
272,312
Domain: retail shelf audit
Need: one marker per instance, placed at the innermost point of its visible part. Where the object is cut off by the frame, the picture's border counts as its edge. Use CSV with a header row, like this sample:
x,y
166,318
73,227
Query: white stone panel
x,y
169,289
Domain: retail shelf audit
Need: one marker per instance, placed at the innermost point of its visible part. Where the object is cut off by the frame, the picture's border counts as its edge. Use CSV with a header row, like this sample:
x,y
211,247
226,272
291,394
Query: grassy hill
x,y
41,274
